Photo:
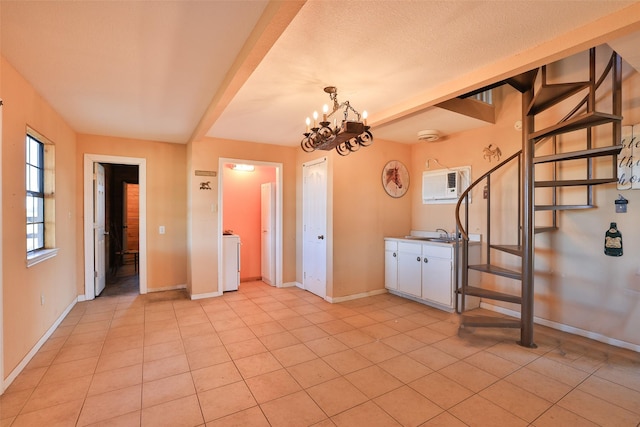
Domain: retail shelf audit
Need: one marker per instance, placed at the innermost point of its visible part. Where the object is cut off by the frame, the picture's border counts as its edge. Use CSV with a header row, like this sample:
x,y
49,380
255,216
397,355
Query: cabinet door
x,y
391,269
437,280
410,268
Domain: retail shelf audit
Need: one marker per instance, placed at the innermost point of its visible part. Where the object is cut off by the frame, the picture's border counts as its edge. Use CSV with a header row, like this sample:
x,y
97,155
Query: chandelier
x,y
349,136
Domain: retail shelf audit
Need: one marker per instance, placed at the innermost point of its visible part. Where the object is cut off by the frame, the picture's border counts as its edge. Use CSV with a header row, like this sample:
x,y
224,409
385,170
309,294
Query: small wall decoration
x,y
488,153
613,241
395,178
621,204
205,185
629,159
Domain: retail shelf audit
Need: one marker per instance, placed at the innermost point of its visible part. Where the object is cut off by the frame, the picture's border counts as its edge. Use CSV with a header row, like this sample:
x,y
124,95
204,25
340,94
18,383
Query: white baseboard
x,y
25,361
82,298
290,285
205,295
355,296
167,288
423,301
565,328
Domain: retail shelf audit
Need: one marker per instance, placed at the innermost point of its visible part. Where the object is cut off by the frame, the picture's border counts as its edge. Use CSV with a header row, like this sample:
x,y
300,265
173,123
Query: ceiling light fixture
x,y
348,137
243,167
429,135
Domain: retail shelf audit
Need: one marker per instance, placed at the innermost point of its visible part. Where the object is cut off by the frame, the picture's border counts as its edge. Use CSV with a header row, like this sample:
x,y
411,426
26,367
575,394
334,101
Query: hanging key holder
x,y
613,241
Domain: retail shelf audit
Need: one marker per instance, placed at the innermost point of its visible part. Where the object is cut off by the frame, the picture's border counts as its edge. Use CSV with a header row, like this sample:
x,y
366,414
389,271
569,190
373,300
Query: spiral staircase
x,y
580,100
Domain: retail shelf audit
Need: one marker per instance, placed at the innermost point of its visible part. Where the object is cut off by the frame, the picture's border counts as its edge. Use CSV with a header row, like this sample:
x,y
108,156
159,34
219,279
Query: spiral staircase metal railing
x,y
537,97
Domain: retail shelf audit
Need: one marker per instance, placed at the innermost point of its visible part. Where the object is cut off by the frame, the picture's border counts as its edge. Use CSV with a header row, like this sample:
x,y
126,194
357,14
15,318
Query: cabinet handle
x,y
418,259
394,255
426,260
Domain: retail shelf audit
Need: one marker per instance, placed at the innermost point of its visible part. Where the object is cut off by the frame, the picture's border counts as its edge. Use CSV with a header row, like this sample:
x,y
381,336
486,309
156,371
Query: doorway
x,y
239,212
89,213
123,225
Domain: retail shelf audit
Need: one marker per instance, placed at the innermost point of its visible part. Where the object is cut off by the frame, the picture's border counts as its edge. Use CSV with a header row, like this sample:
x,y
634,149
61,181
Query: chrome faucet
x,y
445,232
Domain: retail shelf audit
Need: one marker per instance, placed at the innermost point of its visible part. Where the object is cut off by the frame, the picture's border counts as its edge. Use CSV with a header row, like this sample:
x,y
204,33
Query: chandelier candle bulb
x,y
364,117
308,121
325,110
315,119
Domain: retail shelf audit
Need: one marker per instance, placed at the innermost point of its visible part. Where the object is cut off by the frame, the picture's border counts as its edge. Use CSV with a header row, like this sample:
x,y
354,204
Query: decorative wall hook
x,y
488,153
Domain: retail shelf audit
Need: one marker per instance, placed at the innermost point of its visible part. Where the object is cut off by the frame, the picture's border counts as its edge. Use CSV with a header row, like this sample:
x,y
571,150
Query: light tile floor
x,y
284,357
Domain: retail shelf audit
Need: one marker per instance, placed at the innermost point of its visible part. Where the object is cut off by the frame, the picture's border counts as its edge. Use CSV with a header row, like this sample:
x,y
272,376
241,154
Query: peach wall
x,y
166,204
465,149
242,213
202,213
576,284
25,319
362,214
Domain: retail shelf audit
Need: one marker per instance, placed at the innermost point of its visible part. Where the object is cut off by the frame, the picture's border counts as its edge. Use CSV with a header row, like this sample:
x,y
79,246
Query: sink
x,y
432,239
440,239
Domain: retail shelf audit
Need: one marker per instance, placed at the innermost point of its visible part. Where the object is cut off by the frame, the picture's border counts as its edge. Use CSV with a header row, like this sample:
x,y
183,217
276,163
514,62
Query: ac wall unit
x,y
440,185
445,185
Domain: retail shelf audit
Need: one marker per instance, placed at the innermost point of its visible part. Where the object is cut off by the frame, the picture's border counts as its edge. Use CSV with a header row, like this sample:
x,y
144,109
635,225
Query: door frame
x,y
89,160
1,270
278,189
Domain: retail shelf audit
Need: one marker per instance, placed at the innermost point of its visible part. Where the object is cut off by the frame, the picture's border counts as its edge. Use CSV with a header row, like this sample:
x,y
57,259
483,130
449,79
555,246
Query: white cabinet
x,y
410,268
230,263
437,274
424,271
390,264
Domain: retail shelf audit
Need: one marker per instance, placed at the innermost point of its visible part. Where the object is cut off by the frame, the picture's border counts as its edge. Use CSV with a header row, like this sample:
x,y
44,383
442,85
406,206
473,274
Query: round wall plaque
x,y
395,178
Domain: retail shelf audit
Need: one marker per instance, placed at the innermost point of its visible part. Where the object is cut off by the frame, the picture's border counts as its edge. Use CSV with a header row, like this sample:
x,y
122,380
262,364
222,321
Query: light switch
x,y
161,229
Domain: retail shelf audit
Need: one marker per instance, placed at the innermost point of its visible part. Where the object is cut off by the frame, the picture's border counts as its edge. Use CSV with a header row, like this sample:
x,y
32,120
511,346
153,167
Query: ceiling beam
x,y
274,20
471,108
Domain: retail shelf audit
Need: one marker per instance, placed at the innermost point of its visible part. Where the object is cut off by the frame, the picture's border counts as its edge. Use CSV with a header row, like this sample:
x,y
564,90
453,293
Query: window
x,y
40,202
486,96
35,194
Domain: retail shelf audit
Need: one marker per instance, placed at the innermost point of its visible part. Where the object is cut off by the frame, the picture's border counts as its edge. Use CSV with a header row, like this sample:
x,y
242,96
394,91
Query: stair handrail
x,y
463,232
597,85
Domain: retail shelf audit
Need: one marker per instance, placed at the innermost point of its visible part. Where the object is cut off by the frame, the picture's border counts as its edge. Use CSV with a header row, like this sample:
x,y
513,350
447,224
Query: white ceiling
x,y
254,70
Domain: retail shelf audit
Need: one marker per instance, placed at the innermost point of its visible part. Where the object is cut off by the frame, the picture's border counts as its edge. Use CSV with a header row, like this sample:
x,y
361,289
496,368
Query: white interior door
x,y
314,223
99,228
267,237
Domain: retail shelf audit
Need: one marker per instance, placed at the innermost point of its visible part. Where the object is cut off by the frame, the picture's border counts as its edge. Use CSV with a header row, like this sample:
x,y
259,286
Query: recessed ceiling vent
x,y
429,135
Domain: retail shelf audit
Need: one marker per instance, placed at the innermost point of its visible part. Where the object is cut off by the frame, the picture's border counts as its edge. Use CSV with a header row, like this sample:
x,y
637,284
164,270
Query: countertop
x,y
434,238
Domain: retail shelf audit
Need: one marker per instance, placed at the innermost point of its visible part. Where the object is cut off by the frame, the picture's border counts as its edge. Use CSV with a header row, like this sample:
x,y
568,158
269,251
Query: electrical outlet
x,y
161,229
41,299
